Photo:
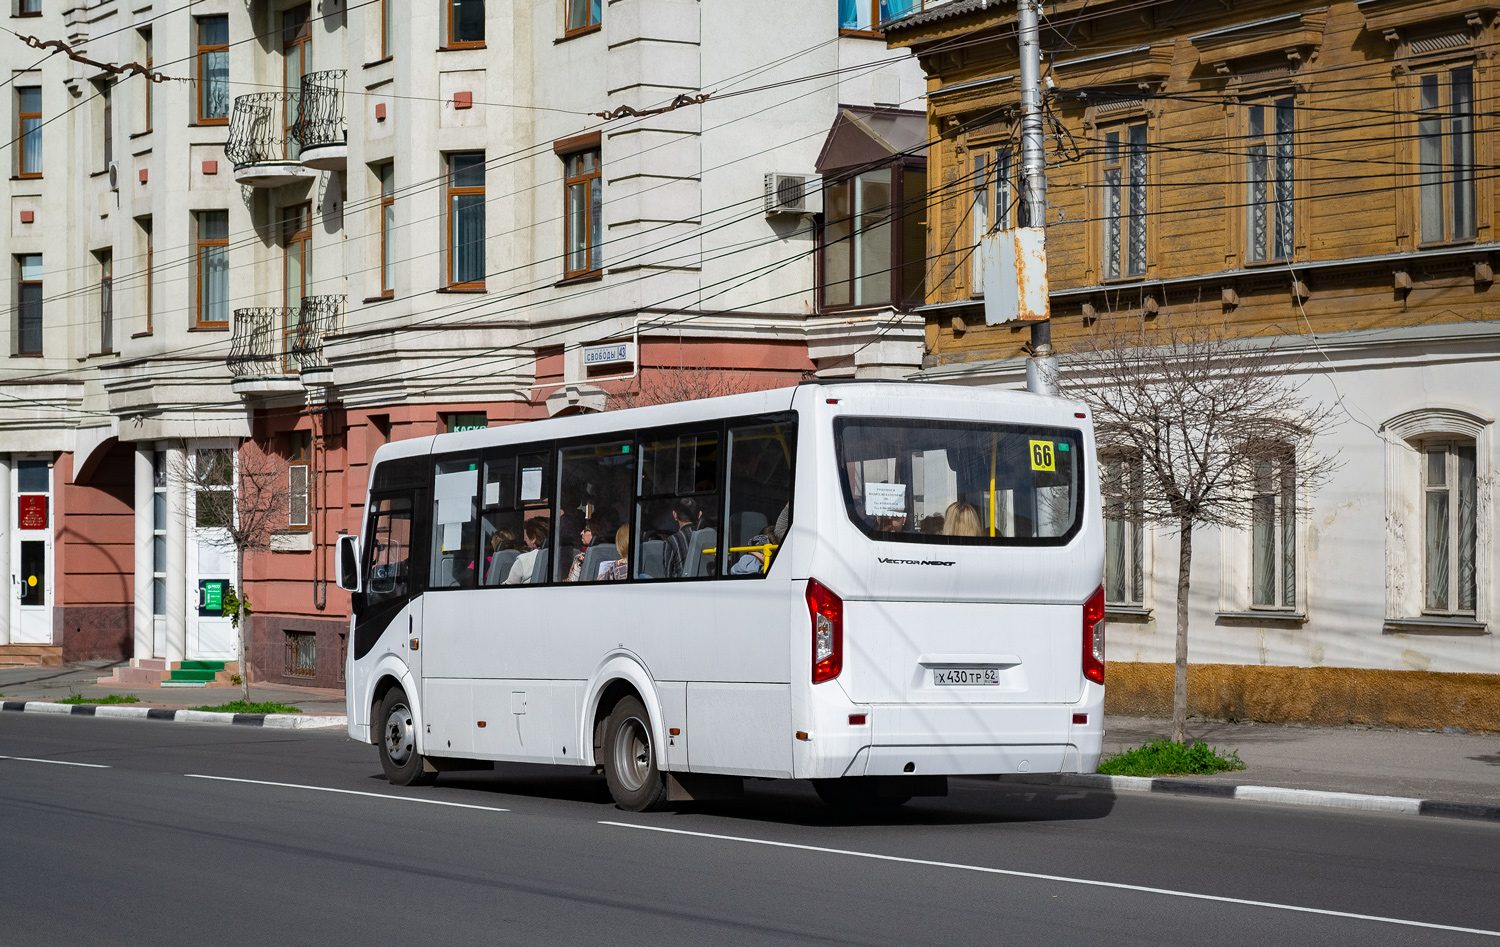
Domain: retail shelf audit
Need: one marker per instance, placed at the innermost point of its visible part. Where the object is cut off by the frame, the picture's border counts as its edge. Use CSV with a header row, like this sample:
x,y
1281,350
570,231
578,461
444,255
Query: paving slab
x,y
81,678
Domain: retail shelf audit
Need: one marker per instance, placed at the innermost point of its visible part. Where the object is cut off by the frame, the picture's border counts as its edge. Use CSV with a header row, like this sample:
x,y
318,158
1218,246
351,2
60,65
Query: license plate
x,y
966,676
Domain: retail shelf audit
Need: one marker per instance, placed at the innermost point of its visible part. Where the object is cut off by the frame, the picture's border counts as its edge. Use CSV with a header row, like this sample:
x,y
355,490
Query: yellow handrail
x,y
765,552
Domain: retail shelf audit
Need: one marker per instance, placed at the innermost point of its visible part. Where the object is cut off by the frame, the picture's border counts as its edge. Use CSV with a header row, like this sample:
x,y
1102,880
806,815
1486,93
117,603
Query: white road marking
x,y
29,759
348,792
1065,880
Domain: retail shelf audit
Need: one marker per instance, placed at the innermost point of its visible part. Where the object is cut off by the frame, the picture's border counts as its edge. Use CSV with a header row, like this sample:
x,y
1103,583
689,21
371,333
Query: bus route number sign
x,y
1042,457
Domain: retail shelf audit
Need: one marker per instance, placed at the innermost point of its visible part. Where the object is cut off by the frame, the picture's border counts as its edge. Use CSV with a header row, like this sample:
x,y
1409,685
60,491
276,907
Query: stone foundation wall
x,y
1319,695
90,632
268,650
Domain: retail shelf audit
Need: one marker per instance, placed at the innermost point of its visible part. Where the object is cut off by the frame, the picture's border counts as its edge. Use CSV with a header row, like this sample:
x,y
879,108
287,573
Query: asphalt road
x,y
139,849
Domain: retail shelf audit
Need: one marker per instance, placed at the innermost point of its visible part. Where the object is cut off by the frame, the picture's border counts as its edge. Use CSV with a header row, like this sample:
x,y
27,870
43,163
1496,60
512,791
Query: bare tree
x,y
669,385
239,506
1215,427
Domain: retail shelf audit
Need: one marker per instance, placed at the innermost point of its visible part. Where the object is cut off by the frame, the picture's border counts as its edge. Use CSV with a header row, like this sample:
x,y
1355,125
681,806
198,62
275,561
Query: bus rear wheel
x,y
630,769
398,742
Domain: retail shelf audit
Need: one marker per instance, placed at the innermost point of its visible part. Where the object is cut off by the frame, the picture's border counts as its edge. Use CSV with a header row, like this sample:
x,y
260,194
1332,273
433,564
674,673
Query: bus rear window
x,y
960,483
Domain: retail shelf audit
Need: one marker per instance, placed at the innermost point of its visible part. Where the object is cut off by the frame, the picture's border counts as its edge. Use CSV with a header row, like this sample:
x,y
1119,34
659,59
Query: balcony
x,y
262,152
276,350
320,129
321,316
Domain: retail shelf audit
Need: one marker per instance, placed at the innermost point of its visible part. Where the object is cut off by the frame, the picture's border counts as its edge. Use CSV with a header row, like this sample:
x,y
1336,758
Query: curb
x,y
1287,797
271,721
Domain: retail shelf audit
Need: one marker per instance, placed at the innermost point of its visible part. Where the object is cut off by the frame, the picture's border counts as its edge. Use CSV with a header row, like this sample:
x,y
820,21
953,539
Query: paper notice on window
x,y
453,536
492,493
885,499
454,510
531,484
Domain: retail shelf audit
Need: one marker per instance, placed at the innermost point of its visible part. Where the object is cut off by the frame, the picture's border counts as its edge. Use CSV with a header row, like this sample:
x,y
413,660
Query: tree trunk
x,y
243,624
1179,674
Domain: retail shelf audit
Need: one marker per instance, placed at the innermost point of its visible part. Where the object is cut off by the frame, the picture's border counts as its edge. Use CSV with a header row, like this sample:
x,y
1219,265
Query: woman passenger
x,y
961,519
620,569
592,529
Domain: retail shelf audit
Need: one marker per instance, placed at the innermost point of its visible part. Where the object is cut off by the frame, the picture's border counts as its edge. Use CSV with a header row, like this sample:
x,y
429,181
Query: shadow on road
x,y
793,802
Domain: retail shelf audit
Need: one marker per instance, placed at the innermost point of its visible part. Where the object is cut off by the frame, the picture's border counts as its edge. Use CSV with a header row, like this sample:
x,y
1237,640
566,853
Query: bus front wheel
x,y
630,769
398,742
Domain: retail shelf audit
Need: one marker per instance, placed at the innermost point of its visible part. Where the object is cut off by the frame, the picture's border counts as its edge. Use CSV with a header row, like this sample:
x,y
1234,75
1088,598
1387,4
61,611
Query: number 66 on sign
x,y
1041,456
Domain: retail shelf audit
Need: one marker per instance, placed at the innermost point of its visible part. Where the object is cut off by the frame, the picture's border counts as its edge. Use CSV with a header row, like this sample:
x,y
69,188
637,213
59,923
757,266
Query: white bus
x,y
870,585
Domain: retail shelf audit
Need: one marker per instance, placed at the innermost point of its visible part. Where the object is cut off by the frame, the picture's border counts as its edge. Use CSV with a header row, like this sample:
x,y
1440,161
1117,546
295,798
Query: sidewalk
x,y
57,683
1451,767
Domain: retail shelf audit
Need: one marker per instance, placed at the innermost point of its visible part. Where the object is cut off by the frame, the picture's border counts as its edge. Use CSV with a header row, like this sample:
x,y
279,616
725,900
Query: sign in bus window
x,y
960,482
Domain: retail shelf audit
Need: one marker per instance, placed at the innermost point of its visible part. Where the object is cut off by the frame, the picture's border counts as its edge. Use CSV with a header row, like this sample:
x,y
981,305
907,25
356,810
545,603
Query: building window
x,y
1450,528
107,128
387,27
213,70
1125,201
212,255
28,7
583,15
28,331
867,15
464,421
296,254
29,130
1273,535
1445,155
148,248
874,238
106,301
150,86
1269,203
387,175
296,43
992,210
213,487
1124,543
299,449
159,533
466,220
301,654
583,189
465,23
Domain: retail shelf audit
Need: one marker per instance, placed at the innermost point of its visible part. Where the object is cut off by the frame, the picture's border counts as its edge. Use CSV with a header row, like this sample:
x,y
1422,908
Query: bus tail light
x,y
1093,637
827,612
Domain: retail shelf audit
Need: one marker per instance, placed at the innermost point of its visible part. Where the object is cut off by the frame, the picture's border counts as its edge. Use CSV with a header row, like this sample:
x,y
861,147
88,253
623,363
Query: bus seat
x,y
598,554
539,566
744,526
699,562
565,557
653,559
500,565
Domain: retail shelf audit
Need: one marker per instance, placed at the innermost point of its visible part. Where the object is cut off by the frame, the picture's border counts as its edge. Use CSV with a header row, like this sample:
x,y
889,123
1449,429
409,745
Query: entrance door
x,y
210,559
31,552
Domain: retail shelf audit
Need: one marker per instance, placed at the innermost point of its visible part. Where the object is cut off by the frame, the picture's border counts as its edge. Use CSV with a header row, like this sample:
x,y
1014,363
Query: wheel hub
x,y
632,754
398,735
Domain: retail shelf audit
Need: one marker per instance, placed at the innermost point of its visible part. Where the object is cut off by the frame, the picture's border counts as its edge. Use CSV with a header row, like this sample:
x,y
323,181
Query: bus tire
x,y
859,792
635,781
397,740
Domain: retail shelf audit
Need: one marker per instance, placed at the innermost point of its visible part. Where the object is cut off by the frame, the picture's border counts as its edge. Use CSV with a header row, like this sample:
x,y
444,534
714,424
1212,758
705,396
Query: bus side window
x,y
388,551
455,488
677,517
761,461
515,527
595,490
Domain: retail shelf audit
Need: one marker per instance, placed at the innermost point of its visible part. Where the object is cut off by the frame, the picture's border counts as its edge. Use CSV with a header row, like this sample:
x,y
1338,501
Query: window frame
x,y
22,305
1115,258
144,224
106,258
22,117
107,122
901,297
589,26
147,39
1283,534
452,21
1447,182
593,229
21,6
202,248
299,457
385,178
387,7
1279,195
1135,546
1450,489
204,50
451,192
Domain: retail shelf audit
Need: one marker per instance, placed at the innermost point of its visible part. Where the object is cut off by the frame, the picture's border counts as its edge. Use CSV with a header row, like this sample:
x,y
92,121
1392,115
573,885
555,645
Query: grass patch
x,y
242,707
1168,758
106,699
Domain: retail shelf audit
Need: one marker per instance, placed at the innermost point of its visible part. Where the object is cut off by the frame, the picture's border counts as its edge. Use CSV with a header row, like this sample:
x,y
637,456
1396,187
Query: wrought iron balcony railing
x,y
320,316
258,349
320,110
257,129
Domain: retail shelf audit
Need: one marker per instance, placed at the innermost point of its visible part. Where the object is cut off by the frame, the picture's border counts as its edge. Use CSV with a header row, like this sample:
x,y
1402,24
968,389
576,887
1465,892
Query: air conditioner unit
x,y
114,175
788,193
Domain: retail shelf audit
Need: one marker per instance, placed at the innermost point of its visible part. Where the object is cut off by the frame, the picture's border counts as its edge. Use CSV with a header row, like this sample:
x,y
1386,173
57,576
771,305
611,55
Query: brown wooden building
x,y
1319,174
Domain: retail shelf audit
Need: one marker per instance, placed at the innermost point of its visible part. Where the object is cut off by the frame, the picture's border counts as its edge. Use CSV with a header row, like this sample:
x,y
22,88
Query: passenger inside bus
x,y
961,519
536,544
619,569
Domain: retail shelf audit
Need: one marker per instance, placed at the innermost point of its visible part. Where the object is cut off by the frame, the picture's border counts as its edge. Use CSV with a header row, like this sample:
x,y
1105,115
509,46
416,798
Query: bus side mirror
x,y
347,564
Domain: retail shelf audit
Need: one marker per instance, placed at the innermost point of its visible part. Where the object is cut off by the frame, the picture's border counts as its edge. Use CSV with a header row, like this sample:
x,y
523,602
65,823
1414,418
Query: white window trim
x,y
1237,574
1147,532
1404,568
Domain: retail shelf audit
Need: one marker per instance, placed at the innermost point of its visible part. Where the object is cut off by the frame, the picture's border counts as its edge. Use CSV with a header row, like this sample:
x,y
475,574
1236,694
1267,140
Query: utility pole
x,y
1041,367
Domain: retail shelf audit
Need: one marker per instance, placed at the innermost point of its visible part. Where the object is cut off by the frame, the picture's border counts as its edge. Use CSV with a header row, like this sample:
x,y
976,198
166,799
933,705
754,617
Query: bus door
x,y
387,621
